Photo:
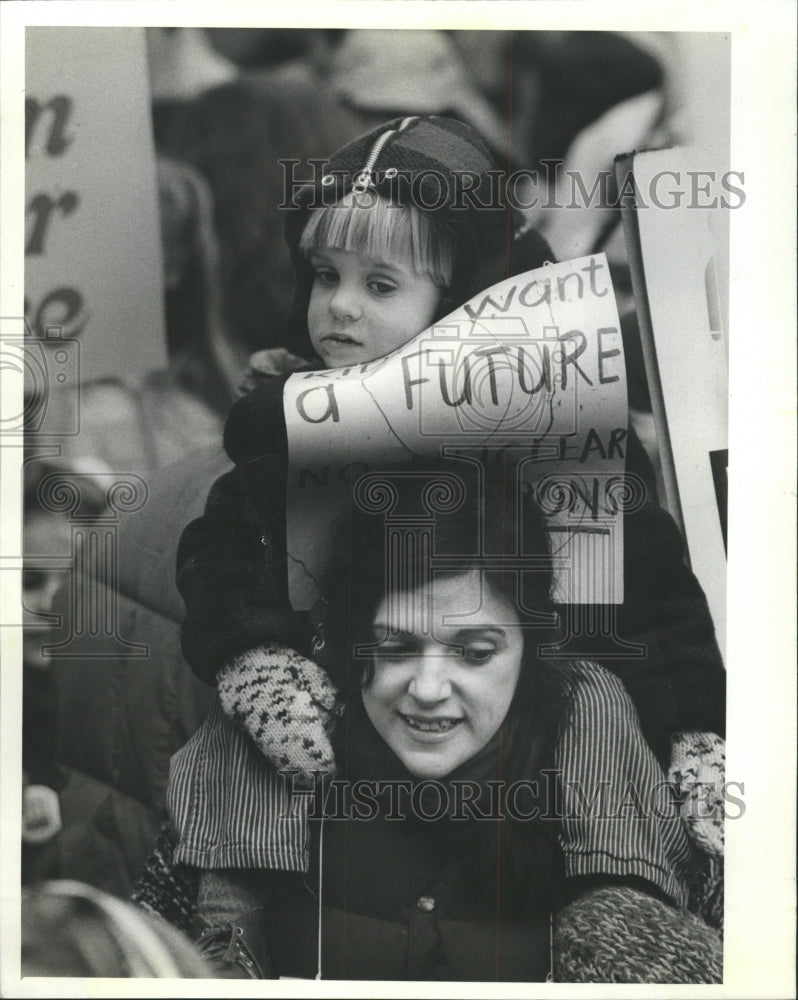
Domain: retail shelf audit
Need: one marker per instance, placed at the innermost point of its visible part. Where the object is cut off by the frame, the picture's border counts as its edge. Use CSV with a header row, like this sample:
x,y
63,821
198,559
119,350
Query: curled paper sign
x,y
530,370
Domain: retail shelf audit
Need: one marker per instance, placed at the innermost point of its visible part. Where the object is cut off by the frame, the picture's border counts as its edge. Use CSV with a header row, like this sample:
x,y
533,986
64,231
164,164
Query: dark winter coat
x,y
120,718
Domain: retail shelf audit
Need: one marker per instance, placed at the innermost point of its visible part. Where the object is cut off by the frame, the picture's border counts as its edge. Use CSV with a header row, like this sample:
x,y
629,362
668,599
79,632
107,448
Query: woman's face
x,y
440,694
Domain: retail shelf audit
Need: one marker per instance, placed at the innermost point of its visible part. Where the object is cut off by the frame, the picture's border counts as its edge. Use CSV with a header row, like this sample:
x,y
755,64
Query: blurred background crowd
x,y
227,105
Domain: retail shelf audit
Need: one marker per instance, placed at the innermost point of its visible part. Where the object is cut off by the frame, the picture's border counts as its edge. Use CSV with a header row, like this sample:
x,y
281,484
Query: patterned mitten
x,y
698,764
617,934
286,703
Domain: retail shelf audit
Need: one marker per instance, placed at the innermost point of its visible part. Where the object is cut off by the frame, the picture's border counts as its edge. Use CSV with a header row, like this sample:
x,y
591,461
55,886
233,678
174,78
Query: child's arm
x,y
619,818
231,562
682,683
231,571
628,859
240,631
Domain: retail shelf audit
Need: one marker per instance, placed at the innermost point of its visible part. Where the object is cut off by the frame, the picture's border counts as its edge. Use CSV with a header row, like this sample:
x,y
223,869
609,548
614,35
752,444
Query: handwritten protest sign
x,y
93,269
532,369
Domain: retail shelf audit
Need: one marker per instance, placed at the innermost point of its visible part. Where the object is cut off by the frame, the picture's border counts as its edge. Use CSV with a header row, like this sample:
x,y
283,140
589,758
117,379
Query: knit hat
x,y
442,168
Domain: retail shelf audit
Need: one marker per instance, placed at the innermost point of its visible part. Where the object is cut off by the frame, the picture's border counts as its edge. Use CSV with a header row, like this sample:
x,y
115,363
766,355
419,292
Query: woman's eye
x,y
479,654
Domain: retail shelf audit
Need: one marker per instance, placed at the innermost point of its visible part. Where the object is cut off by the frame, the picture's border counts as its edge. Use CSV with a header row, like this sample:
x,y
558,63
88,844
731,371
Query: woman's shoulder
x,y
594,689
589,674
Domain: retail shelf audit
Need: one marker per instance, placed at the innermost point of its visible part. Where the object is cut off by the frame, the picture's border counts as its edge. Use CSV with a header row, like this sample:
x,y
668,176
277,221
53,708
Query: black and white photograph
x,y
398,493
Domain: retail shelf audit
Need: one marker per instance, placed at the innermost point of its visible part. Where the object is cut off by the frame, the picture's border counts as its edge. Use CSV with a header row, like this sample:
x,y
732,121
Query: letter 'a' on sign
x,y
536,379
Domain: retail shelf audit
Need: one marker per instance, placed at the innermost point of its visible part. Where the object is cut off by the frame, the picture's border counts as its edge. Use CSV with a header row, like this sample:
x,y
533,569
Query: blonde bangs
x,y
371,225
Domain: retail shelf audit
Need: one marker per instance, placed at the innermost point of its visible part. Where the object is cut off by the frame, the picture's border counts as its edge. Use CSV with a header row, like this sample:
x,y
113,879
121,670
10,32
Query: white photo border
x,y
760,886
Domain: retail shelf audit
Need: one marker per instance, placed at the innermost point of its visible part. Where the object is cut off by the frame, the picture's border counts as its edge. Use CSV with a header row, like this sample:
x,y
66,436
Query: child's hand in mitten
x,y
286,703
698,763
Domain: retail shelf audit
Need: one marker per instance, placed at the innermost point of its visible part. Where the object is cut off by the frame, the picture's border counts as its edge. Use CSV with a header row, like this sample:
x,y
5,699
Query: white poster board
x,y
673,260
93,268
533,368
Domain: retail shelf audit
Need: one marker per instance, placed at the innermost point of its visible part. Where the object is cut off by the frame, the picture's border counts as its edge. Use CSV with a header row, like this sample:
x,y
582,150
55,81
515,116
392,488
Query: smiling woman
x,y
437,698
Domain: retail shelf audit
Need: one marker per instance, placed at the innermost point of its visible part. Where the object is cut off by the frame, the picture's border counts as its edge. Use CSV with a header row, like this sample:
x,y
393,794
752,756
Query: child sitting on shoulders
x,y
405,224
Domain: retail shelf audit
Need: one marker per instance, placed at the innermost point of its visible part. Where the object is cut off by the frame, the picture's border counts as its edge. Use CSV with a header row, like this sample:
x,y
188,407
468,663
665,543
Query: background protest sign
x,y
674,251
532,369
93,271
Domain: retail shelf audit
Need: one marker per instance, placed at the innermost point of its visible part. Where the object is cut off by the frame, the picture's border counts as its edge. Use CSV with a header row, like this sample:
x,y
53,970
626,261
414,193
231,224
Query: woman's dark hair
x,y
450,518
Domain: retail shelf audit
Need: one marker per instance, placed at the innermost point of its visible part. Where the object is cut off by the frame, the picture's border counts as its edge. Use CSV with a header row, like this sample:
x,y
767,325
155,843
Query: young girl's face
x,y
437,699
362,308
